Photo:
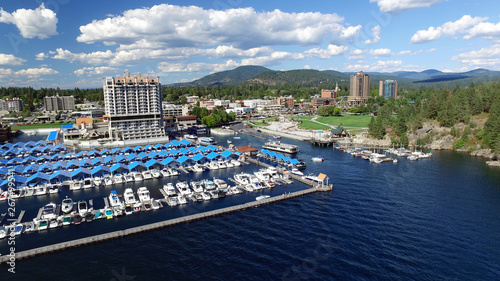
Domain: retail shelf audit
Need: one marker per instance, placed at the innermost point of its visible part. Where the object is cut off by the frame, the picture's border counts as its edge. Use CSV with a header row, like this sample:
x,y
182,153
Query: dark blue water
x,y
431,219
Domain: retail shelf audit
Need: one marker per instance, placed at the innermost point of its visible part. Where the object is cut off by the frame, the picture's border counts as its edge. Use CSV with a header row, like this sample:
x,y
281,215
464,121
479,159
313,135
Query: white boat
x,y
143,194
183,188
263,175
182,200
229,164
235,162
221,164
97,181
146,175
209,185
235,190
66,220
40,189
67,205
318,159
169,189
3,232
53,223
82,208
128,178
108,181
229,142
155,173
87,183
205,196
242,178
197,186
213,165
138,176
421,155
173,172
129,197
248,187
207,140
412,157
165,173
114,200
296,171
220,184
155,205
49,211
197,168
118,179
53,188
192,138
262,197
172,201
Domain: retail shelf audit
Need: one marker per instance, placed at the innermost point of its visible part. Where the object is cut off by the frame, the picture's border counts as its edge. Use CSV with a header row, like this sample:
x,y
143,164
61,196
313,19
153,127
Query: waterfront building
x,y
173,110
360,88
133,106
57,103
388,89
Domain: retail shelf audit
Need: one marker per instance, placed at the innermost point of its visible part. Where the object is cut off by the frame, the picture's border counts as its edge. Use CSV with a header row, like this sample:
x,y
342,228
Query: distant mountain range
x,y
315,78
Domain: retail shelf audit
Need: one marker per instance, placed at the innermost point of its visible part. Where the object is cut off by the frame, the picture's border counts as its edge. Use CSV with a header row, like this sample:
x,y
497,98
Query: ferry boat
x,y
67,205
191,137
281,147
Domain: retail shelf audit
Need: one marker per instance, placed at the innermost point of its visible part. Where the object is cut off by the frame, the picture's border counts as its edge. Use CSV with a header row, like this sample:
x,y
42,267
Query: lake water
x,y
430,219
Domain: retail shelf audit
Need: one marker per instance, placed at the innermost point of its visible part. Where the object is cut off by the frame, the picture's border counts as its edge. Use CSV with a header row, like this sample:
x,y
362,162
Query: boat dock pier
x,y
21,215
282,171
162,224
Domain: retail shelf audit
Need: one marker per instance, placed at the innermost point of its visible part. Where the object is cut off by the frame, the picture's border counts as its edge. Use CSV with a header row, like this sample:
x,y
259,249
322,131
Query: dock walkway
x,y
162,224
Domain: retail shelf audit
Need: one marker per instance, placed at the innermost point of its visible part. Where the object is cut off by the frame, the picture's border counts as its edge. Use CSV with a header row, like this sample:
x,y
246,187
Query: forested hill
x,y
316,78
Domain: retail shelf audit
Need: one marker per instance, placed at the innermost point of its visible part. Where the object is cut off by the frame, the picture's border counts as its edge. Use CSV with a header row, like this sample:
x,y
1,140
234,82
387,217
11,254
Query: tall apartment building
x,y
360,88
134,107
286,101
57,103
14,104
388,89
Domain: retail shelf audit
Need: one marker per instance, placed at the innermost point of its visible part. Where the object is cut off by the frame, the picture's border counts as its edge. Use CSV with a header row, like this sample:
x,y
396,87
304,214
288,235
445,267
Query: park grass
x,y
38,126
347,120
311,125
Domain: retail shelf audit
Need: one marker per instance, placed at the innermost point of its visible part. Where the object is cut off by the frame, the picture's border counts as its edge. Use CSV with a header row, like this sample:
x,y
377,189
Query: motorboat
x,y
173,172
76,219
41,189
4,195
205,196
128,209
318,159
172,201
235,162
262,197
220,184
229,164
97,181
29,227
165,173
229,142
197,168
128,178
66,220
89,217
242,178
129,197
146,175
143,194
169,189
197,186
53,223
42,224
182,200
221,164
209,185
155,205
138,176
296,171
213,165
207,140
192,138
67,205
155,173
118,179
82,208
235,190
87,183
49,211
248,187
183,188
16,229
114,200
108,181
108,213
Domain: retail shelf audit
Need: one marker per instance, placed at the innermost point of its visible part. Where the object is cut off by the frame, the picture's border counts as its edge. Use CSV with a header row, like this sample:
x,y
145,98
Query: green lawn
x,y
347,120
311,125
38,126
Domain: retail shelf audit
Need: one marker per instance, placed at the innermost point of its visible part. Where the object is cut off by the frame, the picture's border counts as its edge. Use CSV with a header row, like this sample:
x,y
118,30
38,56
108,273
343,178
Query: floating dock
x,y
162,224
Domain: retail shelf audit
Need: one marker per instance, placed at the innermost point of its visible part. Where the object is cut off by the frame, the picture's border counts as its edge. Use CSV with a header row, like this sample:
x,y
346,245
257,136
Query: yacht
x,y
128,178
197,168
169,189
147,175
138,176
235,162
67,205
235,190
296,171
229,164
192,138
183,188
155,173
172,201
207,140
114,200
143,194
182,200
98,181
129,197
209,185
213,165
197,186
108,180
221,164
118,179
165,173
242,178
82,208
220,184
49,211
277,145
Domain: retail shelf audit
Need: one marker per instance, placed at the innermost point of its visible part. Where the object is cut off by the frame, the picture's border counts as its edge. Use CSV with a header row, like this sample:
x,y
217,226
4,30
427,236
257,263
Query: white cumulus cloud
x,y
36,72
449,28
94,70
486,30
8,59
41,22
376,35
396,6
176,26
484,57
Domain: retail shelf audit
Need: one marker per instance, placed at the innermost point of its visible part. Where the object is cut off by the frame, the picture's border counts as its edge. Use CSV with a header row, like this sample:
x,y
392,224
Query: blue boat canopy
x,y
212,155
67,126
226,153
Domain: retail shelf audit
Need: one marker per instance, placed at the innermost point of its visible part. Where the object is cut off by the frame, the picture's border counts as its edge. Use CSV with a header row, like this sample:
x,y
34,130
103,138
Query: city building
x,y
174,110
360,88
184,122
57,103
286,101
388,89
317,102
133,105
14,105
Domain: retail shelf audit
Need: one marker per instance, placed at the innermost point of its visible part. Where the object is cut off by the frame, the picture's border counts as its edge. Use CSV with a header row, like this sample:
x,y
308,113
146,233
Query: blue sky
x,y
68,43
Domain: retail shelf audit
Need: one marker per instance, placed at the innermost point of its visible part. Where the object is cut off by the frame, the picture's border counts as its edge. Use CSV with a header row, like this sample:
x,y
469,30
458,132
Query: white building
x,y
256,103
223,103
133,105
174,110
